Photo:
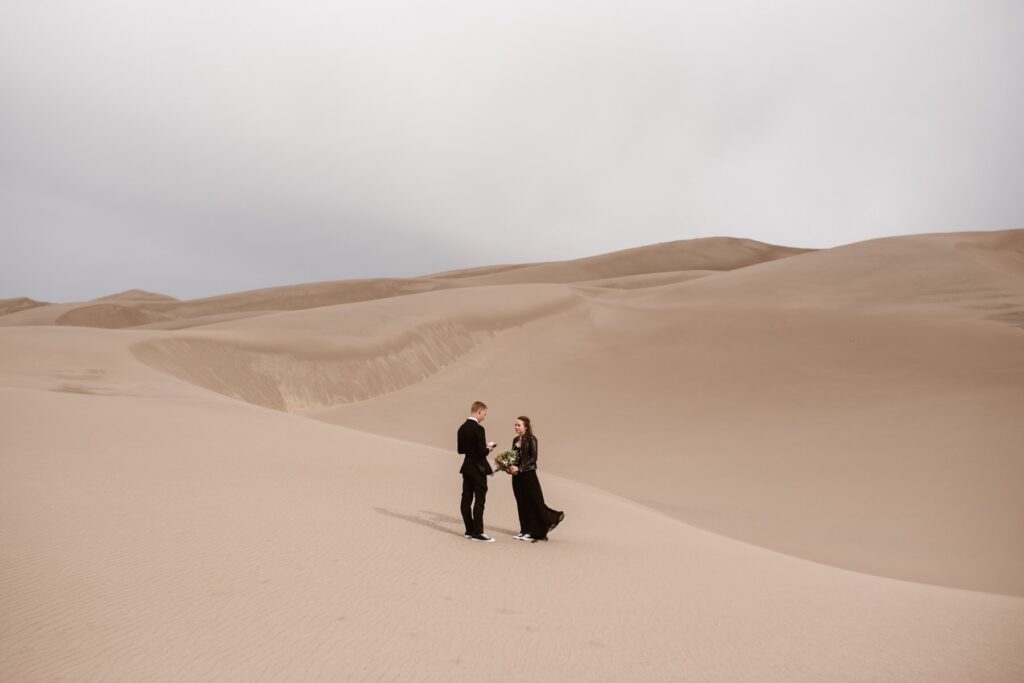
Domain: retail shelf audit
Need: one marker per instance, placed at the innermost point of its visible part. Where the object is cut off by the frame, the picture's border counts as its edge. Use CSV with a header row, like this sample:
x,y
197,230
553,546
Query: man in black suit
x,y
474,447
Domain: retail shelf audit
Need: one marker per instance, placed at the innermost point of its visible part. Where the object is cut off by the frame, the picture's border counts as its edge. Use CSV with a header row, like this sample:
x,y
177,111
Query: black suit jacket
x,y
473,444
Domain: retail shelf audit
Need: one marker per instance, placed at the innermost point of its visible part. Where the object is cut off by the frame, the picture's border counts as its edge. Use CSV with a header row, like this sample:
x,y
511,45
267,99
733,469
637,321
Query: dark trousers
x,y
535,517
526,521
474,495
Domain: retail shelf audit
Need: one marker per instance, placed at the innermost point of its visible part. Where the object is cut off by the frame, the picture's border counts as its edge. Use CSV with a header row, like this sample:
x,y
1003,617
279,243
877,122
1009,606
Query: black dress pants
x,y
474,495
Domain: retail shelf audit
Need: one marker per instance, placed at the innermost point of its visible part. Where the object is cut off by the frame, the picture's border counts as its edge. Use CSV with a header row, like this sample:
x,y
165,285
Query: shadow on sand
x,y
445,524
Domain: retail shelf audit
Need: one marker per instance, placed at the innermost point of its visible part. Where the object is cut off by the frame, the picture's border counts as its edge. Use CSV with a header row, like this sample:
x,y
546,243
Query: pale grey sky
x,y
201,147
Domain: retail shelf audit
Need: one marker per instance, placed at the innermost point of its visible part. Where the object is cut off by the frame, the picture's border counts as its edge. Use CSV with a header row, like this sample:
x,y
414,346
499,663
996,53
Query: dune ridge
x,y
20,303
349,359
710,253
932,273
136,295
286,380
138,308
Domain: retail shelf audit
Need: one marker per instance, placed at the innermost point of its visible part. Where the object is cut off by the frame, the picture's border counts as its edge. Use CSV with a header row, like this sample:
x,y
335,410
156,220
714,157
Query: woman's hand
x,y
513,469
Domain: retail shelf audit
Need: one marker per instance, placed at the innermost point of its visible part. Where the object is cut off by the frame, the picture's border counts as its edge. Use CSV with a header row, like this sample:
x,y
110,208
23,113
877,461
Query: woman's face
x,y
519,427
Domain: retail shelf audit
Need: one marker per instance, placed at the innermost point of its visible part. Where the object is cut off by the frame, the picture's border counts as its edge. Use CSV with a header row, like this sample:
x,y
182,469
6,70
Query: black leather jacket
x,y
527,453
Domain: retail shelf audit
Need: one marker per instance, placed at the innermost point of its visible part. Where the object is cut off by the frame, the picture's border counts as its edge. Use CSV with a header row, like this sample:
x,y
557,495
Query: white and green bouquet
x,y
506,459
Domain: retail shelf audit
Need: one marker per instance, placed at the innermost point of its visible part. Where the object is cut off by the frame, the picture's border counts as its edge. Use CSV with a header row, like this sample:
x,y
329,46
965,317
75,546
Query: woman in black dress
x,y
535,518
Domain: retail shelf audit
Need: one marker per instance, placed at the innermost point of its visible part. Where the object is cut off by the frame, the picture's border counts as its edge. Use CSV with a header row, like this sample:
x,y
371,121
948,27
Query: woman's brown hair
x,y
526,423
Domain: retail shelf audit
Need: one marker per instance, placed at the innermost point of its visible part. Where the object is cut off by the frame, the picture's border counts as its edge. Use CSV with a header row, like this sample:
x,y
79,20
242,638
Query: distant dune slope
x,y
713,253
644,280
136,295
980,272
18,304
339,354
473,272
136,308
108,315
120,311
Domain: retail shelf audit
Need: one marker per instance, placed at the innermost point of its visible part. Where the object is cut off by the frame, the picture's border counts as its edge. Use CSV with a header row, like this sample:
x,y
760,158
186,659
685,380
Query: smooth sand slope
x,y
169,512
156,531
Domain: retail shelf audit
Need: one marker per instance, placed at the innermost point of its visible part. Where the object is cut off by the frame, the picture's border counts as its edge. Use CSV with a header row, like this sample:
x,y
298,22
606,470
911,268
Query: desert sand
x,y
776,465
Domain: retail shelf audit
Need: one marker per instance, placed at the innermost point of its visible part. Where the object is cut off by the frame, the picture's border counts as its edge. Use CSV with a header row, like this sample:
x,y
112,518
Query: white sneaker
x,y
482,537
524,537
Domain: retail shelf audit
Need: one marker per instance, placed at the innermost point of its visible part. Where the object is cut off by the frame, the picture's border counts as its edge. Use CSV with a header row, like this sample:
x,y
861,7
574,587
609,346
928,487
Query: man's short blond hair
x,y
477,406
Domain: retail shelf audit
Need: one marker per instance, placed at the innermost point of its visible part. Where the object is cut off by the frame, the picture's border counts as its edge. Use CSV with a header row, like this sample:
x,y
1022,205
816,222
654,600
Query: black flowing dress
x,y
535,518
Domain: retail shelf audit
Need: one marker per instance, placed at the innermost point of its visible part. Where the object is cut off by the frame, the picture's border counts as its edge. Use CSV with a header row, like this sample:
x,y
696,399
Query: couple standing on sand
x,y
535,518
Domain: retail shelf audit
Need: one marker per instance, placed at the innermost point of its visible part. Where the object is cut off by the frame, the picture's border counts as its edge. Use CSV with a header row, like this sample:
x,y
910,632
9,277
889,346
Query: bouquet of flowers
x,y
506,459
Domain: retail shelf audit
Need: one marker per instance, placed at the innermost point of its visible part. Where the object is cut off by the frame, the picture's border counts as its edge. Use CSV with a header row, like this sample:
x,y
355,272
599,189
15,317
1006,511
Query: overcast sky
x,y
197,148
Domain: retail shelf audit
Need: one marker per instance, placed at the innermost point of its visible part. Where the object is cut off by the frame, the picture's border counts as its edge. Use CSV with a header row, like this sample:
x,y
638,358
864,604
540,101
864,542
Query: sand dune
x,y
340,354
120,311
472,272
772,417
951,271
169,511
18,304
167,533
714,253
136,308
644,280
124,309
109,315
136,295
